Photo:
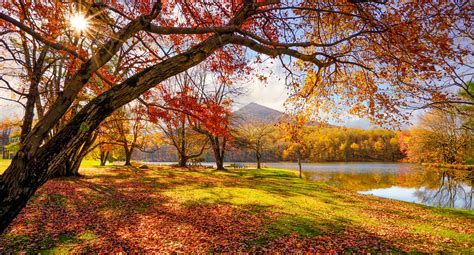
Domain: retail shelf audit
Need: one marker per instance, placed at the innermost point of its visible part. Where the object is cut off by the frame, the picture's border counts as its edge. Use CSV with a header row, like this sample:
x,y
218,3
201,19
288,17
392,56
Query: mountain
x,y
257,113
261,114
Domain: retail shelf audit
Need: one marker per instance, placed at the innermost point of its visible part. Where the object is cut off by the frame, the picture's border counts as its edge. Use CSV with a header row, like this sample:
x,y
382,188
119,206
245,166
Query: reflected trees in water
x,y
454,189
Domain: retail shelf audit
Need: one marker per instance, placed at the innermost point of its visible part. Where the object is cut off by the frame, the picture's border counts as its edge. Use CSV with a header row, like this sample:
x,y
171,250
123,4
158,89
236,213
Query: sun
x,y
78,22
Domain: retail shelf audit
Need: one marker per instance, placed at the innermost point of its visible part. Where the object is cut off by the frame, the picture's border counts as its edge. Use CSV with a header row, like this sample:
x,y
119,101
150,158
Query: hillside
x,y
257,113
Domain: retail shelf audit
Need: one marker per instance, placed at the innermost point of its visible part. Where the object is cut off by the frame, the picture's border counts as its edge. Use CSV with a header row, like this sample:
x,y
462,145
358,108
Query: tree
x,y
127,128
194,110
42,74
218,99
9,137
381,45
440,138
177,122
297,147
254,136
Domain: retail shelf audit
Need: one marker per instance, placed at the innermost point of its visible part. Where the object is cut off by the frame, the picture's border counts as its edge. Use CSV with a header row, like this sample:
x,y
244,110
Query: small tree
x,y
254,136
293,133
128,129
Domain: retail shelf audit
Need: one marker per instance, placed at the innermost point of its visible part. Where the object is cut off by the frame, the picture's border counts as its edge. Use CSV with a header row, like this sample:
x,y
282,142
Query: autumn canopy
x,y
370,58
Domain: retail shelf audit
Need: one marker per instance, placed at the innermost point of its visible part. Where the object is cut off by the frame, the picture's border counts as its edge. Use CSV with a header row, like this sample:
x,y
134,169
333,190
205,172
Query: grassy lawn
x,y
178,210
4,163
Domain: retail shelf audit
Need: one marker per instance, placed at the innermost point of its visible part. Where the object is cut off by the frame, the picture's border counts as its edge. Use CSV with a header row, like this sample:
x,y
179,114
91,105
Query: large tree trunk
x,y
33,165
182,160
220,163
128,155
15,191
218,149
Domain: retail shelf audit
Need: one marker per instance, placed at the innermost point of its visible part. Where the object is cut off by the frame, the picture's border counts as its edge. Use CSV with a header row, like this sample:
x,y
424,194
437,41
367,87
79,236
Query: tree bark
x,y
128,156
32,97
74,160
103,157
220,163
218,148
258,156
299,167
182,160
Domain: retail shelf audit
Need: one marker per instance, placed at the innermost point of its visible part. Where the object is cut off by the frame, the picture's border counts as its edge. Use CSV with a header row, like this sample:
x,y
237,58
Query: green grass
x,y
310,208
289,206
4,163
88,163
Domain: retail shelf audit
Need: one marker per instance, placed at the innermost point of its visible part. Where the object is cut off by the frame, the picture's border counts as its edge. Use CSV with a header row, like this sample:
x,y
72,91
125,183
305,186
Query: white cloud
x,y
271,93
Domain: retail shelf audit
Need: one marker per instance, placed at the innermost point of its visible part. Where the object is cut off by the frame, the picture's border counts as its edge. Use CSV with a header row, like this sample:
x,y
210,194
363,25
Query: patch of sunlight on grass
x,y
214,195
306,208
64,243
289,224
450,212
56,250
440,231
4,163
87,236
89,163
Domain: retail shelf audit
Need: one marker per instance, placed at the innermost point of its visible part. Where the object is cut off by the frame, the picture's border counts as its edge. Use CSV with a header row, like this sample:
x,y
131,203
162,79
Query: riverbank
x,y
449,166
170,209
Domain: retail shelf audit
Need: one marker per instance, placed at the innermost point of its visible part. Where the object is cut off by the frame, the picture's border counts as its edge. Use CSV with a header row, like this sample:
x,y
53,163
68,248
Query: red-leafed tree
x,y
367,54
192,117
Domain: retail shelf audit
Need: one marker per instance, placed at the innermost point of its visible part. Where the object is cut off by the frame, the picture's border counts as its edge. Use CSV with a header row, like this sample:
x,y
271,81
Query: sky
x,y
273,93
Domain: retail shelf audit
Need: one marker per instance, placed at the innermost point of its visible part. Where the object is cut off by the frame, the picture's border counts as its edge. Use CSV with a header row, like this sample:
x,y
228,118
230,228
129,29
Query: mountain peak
x,y
254,112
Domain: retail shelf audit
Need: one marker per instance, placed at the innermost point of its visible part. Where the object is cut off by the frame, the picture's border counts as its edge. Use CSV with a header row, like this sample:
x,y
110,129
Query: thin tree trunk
x,y
258,160
103,157
128,156
299,166
29,110
220,164
74,160
218,149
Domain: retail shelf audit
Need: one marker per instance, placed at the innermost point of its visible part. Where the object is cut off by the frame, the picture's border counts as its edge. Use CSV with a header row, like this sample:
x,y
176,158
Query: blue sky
x,y
273,93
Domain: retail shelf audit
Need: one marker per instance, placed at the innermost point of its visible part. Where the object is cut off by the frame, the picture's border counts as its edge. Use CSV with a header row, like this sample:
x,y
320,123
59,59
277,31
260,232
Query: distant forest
x,y
324,145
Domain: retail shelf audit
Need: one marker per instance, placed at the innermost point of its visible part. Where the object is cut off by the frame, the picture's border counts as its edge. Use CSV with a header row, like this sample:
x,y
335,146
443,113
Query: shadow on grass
x,y
123,210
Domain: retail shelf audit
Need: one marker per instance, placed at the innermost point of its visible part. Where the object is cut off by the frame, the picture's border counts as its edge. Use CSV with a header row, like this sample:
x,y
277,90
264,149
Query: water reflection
x,y
407,182
455,190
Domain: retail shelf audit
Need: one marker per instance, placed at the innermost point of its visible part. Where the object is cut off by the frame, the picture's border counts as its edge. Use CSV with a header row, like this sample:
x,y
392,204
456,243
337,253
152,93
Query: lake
x,y
401,181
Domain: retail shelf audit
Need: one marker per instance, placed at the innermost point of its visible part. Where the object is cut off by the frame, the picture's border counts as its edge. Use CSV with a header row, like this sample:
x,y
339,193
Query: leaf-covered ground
x,y
178,210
